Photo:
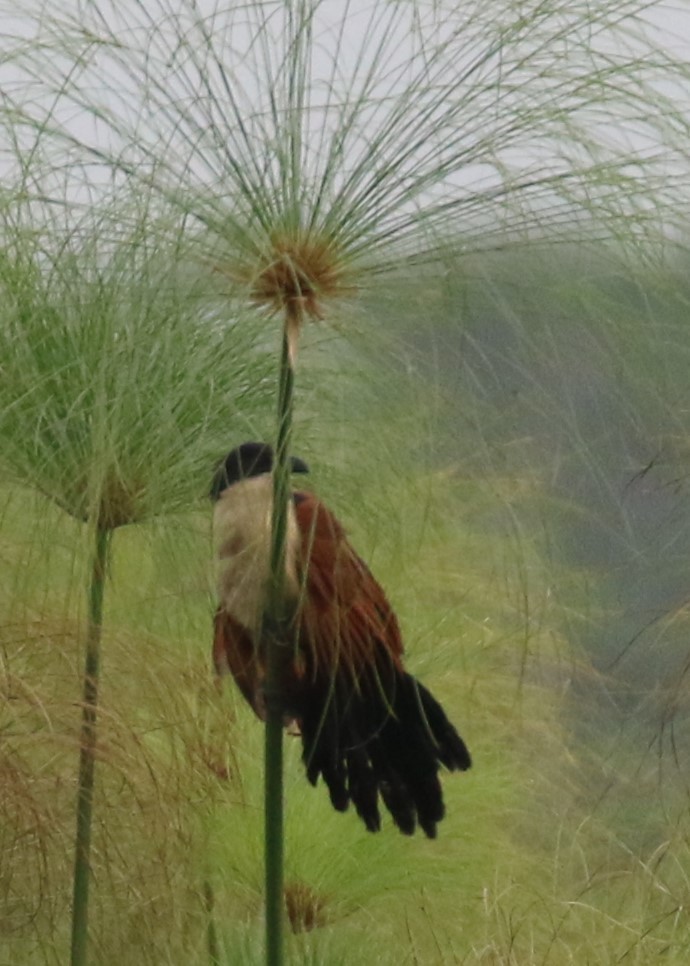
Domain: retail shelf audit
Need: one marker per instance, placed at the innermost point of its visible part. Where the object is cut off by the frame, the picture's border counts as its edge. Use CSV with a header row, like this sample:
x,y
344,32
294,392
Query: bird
x,y
372,732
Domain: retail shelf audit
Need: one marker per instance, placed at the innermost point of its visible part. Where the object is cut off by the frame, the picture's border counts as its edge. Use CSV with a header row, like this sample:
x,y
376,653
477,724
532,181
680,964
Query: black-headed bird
x,y
368,728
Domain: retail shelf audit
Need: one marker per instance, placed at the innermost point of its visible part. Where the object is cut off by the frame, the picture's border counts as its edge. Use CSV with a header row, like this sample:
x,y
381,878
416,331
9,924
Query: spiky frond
x,y
317,142
120,375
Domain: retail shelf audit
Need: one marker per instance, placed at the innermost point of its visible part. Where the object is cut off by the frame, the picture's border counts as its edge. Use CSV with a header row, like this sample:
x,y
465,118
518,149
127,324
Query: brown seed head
x,y
301,270
119,501
306,909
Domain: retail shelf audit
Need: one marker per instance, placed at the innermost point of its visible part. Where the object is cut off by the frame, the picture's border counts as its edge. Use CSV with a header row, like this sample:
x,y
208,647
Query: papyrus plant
x,y
119,386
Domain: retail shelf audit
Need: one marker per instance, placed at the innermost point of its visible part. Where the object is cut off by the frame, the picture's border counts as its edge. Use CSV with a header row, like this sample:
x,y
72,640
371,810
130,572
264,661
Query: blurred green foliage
x,y
565,843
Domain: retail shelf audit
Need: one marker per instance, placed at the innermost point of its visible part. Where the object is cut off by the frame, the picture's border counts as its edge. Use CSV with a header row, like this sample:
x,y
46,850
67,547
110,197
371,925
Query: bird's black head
x,y
247,460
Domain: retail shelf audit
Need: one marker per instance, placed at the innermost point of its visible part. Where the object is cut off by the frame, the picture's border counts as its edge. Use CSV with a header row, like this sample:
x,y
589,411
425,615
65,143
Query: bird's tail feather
x,y
385,739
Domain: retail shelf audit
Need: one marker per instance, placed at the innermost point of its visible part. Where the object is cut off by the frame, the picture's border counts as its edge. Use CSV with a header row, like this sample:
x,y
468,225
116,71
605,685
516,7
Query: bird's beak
x,y
297,465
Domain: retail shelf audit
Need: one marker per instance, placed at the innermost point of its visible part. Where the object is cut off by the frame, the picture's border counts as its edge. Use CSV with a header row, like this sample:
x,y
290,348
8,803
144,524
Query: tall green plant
x,y
87,748
278,651
314,147
118,392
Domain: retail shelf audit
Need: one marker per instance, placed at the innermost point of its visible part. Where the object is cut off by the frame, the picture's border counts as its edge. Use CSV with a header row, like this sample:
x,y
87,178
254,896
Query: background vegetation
x,y
523,502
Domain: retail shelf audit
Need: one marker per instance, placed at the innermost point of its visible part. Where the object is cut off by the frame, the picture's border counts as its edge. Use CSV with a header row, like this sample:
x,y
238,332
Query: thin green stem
x,y
87,754
211,932
277,657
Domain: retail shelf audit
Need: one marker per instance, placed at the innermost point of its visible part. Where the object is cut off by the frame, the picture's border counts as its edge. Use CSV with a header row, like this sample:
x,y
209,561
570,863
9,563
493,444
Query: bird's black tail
x,y
384,738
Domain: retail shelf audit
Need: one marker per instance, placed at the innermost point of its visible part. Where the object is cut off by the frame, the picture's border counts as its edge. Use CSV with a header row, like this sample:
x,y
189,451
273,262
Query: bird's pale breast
x,y
242,535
